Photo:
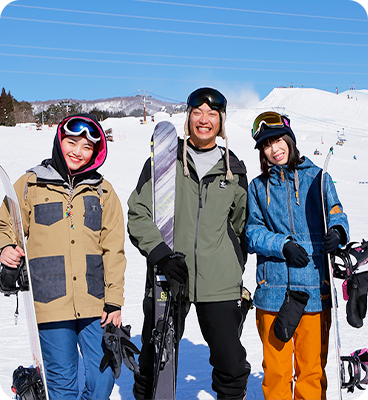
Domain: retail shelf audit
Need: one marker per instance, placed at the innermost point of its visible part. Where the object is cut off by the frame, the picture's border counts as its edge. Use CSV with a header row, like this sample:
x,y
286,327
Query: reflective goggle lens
x,y
77,127
271,120
207,95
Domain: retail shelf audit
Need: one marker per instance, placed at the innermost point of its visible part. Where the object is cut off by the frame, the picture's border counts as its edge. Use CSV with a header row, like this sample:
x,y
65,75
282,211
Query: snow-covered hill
x,y
113,105
317,118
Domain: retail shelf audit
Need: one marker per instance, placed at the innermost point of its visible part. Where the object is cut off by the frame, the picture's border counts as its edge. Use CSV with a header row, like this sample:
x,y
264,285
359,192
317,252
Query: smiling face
x,y
276,150
204,125
77,151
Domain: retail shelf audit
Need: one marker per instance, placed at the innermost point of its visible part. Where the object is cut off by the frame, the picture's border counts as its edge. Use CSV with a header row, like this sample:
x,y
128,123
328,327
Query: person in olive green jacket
x,y
210,214
74,224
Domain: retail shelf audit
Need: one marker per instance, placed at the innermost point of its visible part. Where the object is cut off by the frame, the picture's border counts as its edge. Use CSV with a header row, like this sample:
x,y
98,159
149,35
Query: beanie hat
x,y
271,124
267,133
221,133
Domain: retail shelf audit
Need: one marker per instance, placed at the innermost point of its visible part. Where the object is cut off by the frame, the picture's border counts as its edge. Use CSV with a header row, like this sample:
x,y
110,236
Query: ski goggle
x,y
268,119
79,126
210,96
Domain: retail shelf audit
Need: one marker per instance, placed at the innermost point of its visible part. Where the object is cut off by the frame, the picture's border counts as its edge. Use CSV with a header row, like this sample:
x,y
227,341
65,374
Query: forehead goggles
x,y
210,96
269,119
79,126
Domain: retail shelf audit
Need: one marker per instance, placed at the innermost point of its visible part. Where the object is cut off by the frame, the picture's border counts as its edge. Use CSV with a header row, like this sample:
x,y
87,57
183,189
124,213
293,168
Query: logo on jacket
x,y
335,210
223,184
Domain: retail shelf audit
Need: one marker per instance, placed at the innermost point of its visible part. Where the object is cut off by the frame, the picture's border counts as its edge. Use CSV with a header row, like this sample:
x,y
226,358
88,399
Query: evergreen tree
x,y
23,112
56,112
7,116
102,115
2,106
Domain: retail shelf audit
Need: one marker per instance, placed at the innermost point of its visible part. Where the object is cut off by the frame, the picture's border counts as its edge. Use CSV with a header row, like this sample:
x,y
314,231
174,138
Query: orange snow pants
x,y
297,366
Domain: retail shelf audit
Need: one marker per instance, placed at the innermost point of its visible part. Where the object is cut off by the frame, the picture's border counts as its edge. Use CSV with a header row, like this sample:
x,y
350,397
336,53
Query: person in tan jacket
x,y
74,225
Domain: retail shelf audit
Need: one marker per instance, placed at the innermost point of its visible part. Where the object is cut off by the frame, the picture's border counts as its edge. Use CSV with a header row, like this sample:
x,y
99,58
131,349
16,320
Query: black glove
x,y
331,240
356,307
118,348
295,254
173,268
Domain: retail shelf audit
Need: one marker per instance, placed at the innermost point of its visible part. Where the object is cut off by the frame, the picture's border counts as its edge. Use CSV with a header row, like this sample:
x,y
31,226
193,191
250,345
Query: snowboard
x,y
163,163
29,308
335,320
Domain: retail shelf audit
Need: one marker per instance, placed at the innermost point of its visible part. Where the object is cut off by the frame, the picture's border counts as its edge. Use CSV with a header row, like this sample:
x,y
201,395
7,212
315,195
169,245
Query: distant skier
x,y
74,224
210,213
285,229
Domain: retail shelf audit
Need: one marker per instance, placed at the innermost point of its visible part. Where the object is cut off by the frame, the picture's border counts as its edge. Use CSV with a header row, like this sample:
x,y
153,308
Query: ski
x,y
335,320
163,163
30,312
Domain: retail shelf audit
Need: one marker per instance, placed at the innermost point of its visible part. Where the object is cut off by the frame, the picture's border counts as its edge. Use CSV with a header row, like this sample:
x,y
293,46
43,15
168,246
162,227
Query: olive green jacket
x,y
210,215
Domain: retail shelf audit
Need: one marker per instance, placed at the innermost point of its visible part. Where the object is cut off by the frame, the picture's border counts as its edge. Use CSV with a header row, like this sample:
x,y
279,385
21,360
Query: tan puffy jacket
x,y
74,271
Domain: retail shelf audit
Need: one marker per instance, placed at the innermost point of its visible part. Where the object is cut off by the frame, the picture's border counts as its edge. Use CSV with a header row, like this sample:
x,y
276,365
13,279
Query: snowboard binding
x,y
346,261
13,280
355,286
357,369
27,384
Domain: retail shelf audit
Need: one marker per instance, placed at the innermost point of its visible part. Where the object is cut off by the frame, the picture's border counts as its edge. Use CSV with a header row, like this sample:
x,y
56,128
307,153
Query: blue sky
x,y
95,50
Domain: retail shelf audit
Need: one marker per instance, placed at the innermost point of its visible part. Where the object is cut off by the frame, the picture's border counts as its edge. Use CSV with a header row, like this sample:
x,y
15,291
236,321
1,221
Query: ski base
x,y
163,162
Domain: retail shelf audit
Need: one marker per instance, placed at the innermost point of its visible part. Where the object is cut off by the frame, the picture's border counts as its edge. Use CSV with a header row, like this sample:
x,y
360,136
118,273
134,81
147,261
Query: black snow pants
x,y
221,325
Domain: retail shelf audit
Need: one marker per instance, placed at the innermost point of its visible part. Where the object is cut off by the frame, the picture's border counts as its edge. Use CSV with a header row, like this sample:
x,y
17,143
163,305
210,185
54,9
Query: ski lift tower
x,y
67,105
144,102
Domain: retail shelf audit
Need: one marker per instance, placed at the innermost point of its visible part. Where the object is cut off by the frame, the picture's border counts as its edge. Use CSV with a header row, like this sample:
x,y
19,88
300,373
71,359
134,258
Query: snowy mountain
x,y
317,118
113,105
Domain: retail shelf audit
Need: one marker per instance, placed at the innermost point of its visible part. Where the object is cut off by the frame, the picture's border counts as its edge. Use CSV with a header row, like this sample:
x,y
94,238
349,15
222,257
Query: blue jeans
x,y
60,355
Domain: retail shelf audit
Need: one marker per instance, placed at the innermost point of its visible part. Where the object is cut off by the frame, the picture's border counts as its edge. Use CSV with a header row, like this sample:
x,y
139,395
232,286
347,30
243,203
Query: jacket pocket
x,y
239,250
95,275
48,213
92,213
48,278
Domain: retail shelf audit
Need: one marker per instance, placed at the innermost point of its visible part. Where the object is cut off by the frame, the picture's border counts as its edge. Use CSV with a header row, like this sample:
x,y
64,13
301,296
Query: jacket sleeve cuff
x,y
109,308
159,252
343,235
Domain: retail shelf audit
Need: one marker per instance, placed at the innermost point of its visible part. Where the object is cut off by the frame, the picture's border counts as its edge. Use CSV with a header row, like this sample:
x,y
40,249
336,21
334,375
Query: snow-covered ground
x,y
317,118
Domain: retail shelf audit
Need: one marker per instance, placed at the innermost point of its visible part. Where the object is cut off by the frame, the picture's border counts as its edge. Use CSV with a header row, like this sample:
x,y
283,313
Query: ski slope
x,y
317,118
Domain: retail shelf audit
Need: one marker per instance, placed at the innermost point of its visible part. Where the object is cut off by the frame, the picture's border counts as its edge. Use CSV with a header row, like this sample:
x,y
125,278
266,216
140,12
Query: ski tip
x,y
164,125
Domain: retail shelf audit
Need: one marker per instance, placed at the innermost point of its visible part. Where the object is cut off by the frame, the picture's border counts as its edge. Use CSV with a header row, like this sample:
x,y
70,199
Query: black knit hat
x,y
266,130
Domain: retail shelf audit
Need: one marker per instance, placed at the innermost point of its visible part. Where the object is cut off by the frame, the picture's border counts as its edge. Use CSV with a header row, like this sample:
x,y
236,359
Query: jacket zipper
x,y
288,203
200,205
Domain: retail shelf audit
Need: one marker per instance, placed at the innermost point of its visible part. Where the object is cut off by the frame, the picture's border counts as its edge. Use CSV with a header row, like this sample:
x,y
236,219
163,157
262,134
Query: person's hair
x,y
294,155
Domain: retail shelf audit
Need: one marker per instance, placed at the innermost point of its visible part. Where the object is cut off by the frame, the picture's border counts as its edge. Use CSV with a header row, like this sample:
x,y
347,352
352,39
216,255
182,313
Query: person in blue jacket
x,y
286,230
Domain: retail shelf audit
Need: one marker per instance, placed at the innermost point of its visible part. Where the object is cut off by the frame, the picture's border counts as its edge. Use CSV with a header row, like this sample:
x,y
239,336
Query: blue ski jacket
x,y
293,211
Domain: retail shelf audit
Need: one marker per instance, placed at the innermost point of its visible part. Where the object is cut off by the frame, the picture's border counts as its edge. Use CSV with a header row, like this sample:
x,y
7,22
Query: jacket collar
x,y
236,166
46,173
